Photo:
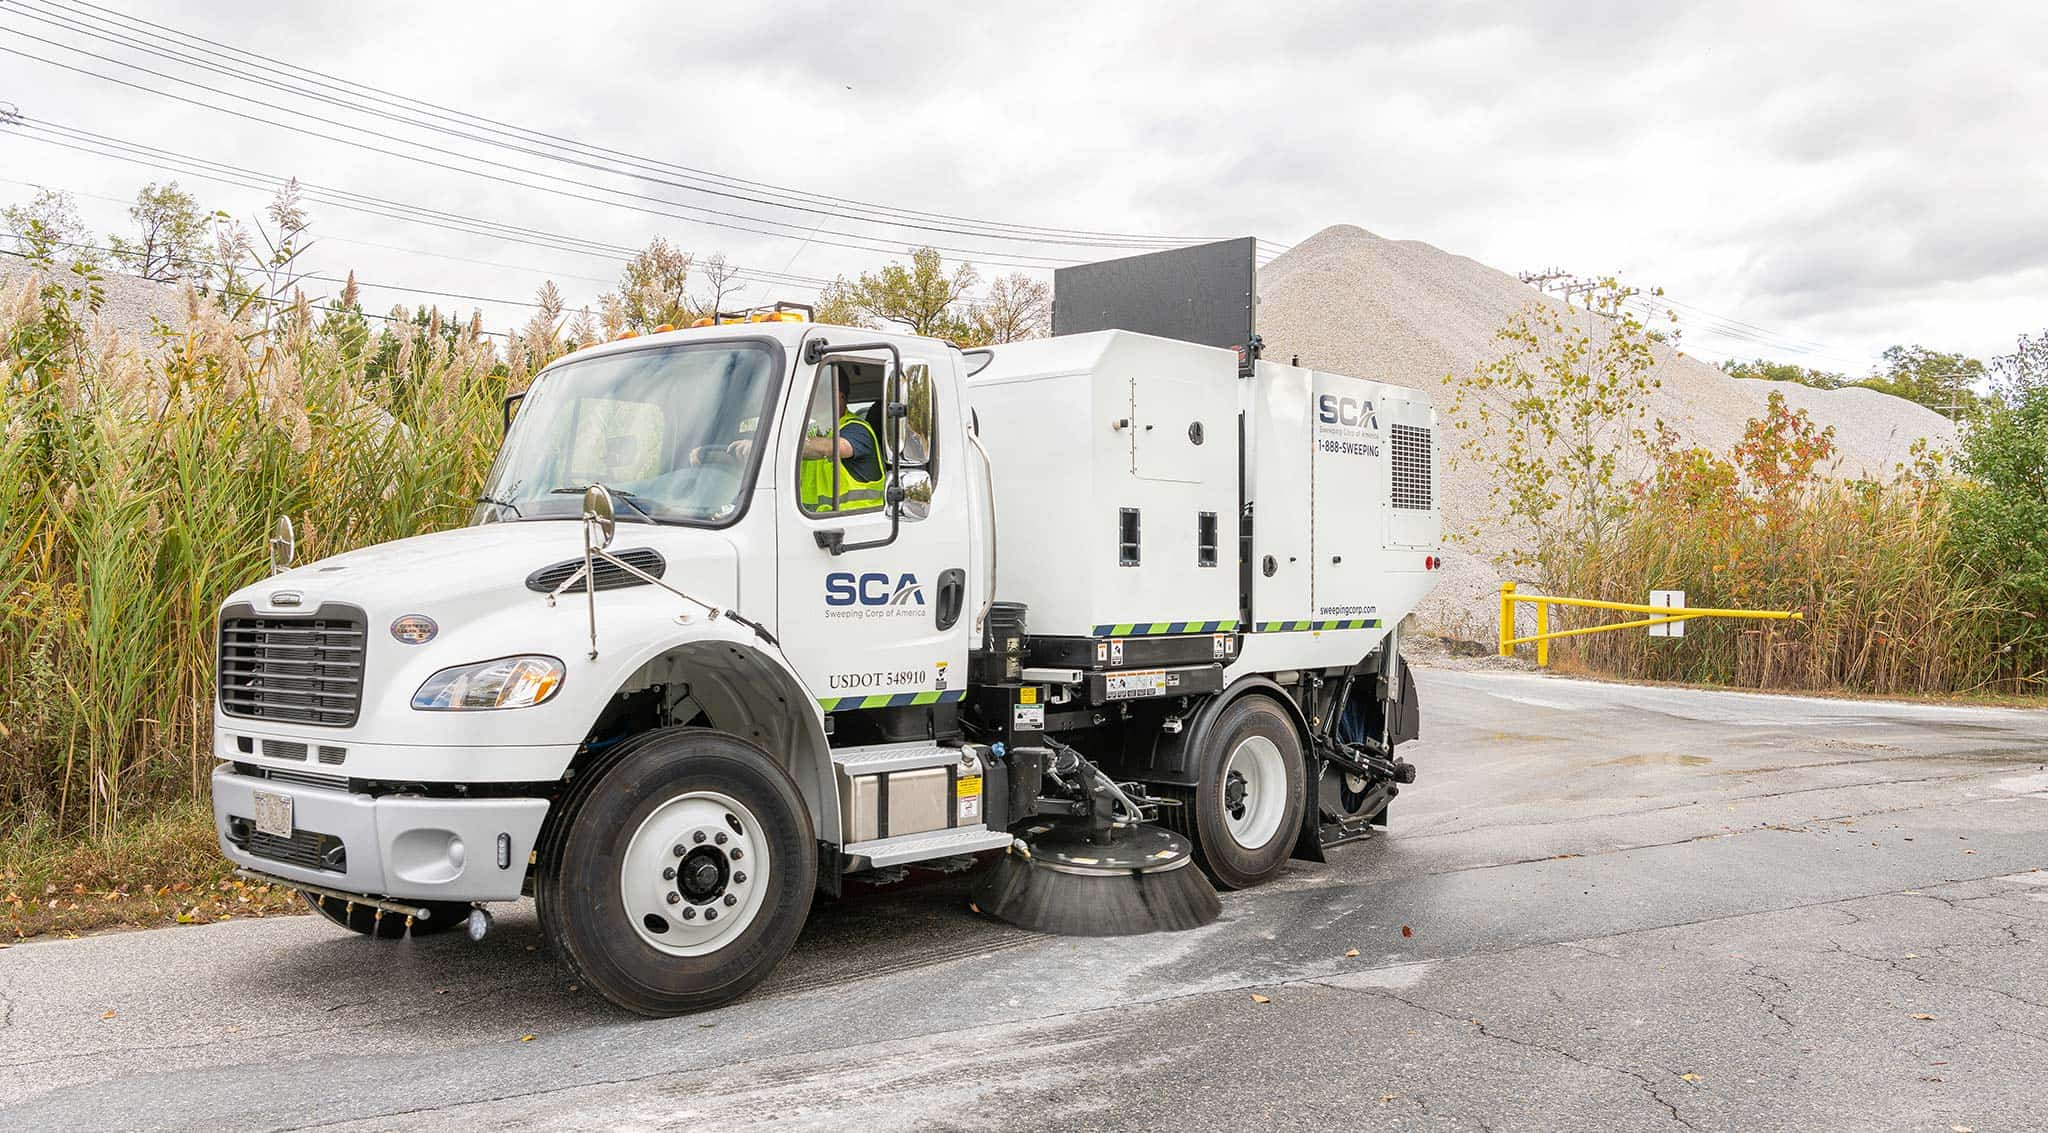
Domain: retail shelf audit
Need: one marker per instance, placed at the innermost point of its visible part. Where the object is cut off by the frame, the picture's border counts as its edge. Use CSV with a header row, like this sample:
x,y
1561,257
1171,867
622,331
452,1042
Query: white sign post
x,y
1668,599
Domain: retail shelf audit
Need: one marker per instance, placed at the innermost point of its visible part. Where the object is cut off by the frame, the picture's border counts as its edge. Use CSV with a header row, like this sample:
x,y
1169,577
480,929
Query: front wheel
x,y
1245,812
681,874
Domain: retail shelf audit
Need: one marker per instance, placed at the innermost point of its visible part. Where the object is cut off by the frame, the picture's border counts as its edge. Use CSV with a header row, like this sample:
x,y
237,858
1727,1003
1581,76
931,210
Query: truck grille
x,y
299,670
1413,489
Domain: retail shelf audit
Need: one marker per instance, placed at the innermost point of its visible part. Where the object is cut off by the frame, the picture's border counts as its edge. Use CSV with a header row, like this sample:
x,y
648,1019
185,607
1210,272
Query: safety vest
x,y
854,494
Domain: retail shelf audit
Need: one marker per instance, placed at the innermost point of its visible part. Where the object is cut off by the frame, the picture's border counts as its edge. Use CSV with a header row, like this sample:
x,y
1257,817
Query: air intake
x,y
609,576
1413,486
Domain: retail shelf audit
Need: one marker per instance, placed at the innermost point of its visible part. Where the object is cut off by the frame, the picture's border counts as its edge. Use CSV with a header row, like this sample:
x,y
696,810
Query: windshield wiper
x,y
495,501
620,493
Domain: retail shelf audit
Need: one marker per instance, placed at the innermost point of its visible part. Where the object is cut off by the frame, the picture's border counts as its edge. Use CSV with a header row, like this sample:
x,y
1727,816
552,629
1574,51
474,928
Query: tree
x,y
722,278
1941,382
838,306
654,288
171,234
922,297
1763,369
1554,415
2001,511
48,228
1016,307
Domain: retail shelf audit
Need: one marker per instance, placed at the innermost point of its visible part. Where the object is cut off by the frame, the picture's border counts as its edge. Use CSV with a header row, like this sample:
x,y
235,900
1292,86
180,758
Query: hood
x,y
471,571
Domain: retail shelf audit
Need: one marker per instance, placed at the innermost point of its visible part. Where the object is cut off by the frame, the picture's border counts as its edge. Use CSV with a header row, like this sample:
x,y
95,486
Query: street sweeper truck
x,y
748,609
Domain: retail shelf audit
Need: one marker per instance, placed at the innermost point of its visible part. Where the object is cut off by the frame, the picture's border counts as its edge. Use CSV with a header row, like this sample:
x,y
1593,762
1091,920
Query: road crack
x,y
1642,1081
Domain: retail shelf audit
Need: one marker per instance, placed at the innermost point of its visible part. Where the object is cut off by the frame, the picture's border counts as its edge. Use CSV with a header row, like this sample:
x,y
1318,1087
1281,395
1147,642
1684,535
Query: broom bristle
x,y
1121,903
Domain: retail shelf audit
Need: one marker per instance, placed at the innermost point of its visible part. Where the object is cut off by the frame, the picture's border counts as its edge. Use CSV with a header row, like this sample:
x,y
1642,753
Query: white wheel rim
x,y
701,899
1253,817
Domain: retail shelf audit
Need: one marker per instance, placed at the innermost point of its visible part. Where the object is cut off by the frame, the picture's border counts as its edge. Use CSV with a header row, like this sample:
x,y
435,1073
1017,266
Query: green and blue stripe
x,y
1152,629
889,700
1299,627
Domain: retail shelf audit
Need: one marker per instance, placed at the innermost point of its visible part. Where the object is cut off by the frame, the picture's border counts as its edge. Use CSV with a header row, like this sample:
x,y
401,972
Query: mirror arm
x,y
511,400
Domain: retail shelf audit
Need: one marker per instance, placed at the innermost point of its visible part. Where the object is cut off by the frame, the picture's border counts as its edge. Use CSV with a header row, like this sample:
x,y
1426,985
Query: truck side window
x,y
840,463
918,456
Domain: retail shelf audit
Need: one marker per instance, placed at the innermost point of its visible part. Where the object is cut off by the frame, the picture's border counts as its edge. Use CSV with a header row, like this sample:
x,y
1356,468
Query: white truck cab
x,y
860,600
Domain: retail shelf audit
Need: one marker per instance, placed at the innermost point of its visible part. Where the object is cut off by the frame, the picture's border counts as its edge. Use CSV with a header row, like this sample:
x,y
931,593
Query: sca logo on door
x,y
873,594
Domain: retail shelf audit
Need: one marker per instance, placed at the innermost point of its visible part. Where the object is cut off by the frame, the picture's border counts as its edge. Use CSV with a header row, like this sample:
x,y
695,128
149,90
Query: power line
x,y
356,89
527,174
241,177
555,155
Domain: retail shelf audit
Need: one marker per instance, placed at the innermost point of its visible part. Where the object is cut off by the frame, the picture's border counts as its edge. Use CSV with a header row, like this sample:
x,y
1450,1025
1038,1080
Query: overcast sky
x,y
1837,177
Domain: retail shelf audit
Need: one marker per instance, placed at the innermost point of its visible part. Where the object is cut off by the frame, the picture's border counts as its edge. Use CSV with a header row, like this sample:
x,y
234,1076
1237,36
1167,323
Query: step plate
x,y
906,848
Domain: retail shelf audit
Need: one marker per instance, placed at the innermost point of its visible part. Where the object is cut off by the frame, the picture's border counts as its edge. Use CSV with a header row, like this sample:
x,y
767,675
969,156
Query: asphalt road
x,y
1625,908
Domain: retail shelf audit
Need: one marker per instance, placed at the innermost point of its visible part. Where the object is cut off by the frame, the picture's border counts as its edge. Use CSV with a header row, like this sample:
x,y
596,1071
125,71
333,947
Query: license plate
x,y
1123,686
273,814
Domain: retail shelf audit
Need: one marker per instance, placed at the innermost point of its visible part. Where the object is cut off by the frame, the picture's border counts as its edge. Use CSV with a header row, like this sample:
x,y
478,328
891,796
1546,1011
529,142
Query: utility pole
x,y
1565,284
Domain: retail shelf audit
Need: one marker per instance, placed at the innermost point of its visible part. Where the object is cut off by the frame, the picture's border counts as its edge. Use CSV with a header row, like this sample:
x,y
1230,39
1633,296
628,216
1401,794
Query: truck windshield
x,y
670,430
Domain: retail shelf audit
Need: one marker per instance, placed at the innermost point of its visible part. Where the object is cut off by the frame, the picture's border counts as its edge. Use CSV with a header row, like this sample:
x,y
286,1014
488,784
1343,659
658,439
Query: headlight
x,y
508,682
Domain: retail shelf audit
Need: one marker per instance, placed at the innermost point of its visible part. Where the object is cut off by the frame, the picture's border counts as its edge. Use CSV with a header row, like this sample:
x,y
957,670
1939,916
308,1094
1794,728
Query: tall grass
x,y
138,482
1870,565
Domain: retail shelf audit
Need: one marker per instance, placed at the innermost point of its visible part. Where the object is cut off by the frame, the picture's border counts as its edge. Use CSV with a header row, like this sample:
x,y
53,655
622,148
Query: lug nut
x,y
669,874
711,914
739,877
731,900
721,837
697,837
673,898
690,914
679,850
738,853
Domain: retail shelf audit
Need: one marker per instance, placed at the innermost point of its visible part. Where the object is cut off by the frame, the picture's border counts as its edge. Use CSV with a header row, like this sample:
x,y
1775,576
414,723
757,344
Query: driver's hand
x,y
740,448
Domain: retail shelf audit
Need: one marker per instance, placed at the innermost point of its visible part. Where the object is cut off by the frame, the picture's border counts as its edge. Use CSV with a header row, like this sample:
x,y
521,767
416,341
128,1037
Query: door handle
x,y
952,595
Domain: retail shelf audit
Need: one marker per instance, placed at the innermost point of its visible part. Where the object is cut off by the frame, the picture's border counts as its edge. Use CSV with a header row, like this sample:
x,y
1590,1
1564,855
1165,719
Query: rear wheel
x,y
680,874
1245,812
372,921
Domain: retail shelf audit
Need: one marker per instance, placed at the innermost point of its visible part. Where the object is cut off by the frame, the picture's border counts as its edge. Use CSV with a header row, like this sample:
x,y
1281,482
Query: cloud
x,y
1840,172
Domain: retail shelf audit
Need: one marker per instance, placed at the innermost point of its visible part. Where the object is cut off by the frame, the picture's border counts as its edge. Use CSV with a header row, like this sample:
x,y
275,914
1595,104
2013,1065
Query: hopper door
x,y
1281,462
1349,497
1170,422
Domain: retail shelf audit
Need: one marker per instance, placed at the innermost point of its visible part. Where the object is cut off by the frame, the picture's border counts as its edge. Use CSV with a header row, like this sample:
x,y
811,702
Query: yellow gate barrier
x,y
1543,602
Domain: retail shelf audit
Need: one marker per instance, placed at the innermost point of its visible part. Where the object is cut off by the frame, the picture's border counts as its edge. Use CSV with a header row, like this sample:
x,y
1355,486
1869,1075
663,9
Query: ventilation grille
x,y
301,670
289,775
609,576
307,849
1413,489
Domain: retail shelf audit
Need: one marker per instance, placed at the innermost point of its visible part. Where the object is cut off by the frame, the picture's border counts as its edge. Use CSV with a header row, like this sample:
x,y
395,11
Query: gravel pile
x,y
129,301
1407,313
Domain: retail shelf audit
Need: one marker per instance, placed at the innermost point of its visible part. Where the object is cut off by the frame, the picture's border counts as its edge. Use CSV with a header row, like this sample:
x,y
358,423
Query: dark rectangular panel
x,y
1203,293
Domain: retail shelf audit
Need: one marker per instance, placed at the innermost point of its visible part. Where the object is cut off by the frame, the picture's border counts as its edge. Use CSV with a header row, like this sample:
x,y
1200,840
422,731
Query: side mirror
x,y
600,518
284,545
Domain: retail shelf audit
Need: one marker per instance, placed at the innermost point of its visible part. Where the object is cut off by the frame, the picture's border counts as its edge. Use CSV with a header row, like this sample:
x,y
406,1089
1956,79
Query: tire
x,y
1245,812
641,924
364,919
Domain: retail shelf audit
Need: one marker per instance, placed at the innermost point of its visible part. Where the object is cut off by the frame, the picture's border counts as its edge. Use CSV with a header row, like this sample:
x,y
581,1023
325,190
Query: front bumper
x,y
419,849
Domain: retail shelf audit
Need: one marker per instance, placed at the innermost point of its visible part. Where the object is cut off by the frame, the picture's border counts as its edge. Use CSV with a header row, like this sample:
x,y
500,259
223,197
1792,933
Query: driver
x,y
856,451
